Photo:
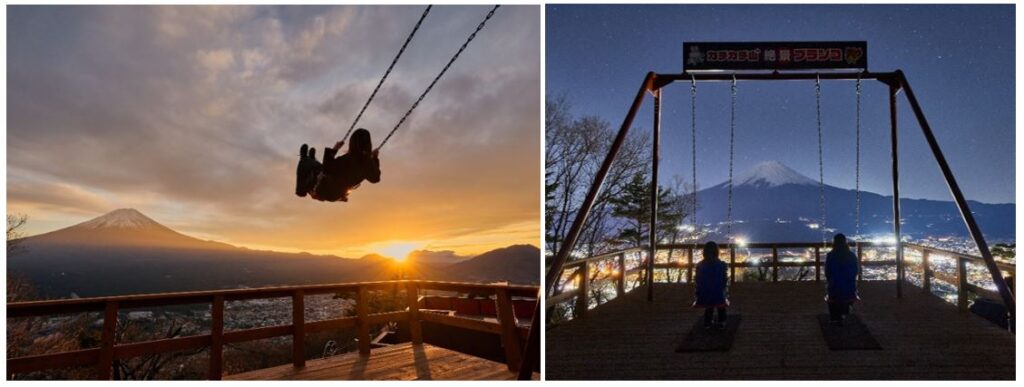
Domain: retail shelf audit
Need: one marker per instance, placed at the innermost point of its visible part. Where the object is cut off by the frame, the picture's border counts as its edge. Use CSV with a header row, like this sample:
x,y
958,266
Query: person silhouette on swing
x,y
711,281
333,179
841,269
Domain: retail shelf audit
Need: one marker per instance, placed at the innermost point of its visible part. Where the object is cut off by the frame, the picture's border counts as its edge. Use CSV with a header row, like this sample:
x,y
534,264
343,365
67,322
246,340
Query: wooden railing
x,y
102,358
960,280
582,275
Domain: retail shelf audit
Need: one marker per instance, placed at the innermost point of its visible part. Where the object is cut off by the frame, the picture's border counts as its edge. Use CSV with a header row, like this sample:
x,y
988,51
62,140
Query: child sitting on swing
x,y
336,176
711,285
841,268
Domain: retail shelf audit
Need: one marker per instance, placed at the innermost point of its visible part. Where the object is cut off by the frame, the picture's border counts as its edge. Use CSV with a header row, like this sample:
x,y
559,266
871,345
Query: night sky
x,y
958,59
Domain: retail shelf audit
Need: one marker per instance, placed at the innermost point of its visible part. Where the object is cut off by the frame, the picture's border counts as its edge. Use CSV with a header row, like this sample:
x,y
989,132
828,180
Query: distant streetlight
x,y
741,241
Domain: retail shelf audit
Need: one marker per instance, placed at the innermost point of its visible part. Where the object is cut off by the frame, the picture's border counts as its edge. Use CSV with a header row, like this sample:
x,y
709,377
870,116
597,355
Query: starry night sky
x,y
958,59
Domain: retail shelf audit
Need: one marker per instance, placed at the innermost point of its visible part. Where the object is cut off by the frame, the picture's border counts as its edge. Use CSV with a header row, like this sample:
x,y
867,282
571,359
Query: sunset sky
x,y
194,116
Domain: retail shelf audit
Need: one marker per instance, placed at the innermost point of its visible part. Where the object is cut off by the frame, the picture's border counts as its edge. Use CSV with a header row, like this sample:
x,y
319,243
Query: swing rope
x,y
732,142
439,75
693,150
821,162
857,184
387,72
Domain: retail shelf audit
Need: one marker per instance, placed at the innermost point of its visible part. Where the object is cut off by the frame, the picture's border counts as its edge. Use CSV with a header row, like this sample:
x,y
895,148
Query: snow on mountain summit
x,y
772,174
122,218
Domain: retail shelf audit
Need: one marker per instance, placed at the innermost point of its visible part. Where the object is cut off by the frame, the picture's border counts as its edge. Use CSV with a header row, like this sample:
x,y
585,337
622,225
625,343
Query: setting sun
x,y
399,250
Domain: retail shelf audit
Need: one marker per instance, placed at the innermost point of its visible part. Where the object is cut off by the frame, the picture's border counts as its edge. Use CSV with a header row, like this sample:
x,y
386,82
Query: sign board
x,y
712,56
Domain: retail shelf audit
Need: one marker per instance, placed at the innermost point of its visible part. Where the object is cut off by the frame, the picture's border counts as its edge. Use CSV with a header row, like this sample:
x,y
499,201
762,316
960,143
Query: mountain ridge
x,y
126,252
774,205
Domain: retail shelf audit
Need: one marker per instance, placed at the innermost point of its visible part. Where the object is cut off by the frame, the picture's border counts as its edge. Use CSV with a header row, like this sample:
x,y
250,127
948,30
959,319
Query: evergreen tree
x,y
634,208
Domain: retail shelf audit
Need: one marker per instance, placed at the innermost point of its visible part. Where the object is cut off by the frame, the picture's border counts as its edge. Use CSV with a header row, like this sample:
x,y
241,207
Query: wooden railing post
x,y
620,286
217,338
105,366
415,325
926,278
299,329
668,270
775,264
509,334
581,298
689,265
817,263
732,264
961,277
363,327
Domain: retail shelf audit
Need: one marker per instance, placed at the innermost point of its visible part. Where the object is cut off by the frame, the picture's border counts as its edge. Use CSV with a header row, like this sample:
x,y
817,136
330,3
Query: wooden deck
x,y
922,338
397,362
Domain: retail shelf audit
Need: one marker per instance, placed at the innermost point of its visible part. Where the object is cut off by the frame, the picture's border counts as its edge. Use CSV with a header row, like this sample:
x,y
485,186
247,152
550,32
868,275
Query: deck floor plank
x,y
397,362
922,337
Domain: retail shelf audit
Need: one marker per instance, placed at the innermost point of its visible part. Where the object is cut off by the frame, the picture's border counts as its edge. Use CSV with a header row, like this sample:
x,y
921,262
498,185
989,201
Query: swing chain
x,y
821,162
857,183
732,142
693,150
387,72
439,75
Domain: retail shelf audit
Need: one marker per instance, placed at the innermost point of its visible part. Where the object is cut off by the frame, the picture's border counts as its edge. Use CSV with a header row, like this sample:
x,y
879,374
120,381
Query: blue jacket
x,y
711,281
841,272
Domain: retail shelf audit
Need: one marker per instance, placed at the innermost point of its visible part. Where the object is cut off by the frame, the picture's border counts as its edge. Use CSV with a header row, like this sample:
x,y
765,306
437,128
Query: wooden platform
x,y
922,338
397,362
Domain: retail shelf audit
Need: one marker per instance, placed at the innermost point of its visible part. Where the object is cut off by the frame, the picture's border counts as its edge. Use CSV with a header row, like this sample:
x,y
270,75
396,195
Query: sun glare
x,y
399,251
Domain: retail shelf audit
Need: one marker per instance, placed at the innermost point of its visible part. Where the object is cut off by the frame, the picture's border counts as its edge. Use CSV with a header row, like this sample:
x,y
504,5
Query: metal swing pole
x,y
654,196
972,225
893,89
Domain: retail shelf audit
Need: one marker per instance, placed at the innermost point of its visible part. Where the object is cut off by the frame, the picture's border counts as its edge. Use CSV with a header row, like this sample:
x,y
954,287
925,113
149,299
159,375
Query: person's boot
x,y
302,172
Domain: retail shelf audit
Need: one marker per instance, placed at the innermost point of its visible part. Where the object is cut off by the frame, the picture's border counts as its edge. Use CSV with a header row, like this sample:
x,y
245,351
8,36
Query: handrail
x,y
969,257
580,294
78,305
102,358
608,255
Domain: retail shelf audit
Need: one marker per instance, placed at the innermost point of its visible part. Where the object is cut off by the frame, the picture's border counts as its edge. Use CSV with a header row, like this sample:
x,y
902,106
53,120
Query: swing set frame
x,y
653,83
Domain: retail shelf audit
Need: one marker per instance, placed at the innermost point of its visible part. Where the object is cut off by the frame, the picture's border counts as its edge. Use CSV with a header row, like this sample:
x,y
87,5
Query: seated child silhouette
x,y
711,283
841,273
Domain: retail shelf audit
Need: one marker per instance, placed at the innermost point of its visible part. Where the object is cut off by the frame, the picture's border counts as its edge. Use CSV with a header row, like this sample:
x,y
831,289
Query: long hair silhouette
x,y
360,144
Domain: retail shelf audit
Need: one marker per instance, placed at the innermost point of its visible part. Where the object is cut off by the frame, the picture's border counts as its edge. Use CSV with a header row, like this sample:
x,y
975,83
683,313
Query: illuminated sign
x,y
712,56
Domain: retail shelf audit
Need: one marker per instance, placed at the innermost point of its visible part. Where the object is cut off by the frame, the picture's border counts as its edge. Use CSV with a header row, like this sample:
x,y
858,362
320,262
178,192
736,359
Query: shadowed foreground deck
x,y
922,337
397,362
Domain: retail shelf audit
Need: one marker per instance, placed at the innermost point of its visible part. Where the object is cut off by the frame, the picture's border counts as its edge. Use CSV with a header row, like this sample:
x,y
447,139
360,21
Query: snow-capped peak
x,y
772,174
125,218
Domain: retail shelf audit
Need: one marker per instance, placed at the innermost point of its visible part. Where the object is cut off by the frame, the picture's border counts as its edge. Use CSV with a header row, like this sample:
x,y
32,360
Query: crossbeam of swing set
x,y
896,80
662,80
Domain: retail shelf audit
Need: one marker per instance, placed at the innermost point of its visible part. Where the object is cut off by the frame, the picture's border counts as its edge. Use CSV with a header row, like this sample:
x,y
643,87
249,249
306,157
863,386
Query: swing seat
x,y
855,299
324,192
710,305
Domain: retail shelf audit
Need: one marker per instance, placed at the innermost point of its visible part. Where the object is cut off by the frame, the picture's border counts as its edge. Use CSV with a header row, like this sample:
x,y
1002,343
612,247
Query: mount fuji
x,y
126,252
772,202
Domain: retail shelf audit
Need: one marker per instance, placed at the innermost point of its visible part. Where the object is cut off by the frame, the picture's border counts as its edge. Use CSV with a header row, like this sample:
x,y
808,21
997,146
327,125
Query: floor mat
x,y
701,339
852,335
